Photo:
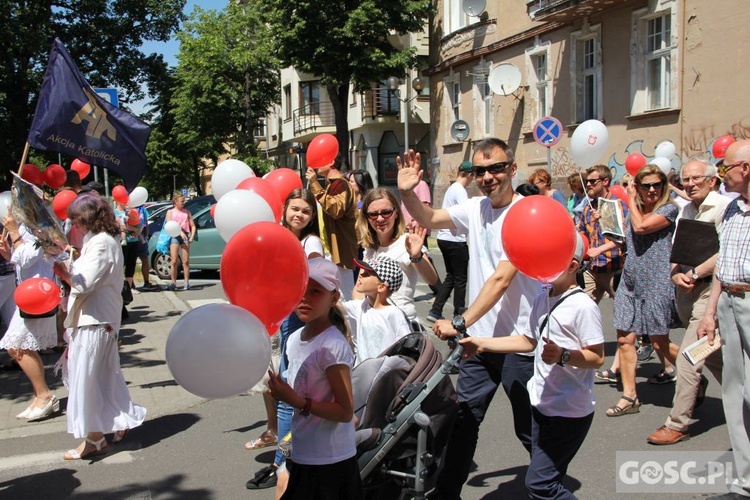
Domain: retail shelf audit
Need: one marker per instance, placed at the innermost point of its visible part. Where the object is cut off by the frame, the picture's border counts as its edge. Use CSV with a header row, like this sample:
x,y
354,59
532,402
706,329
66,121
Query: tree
x,y
345,42
103,37
226,80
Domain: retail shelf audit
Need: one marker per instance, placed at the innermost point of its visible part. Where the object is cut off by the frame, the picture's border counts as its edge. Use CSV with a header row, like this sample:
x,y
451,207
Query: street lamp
x,y
393,83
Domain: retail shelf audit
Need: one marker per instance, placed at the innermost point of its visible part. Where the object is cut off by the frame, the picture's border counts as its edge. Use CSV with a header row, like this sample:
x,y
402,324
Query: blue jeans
x,y
555,441
478,379
284,412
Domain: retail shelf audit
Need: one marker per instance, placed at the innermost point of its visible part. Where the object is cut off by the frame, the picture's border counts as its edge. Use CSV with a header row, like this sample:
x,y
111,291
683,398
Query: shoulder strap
x,y
544,322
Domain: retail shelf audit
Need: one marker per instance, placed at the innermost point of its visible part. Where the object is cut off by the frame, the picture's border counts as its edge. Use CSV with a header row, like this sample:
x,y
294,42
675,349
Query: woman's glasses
x,y
646,186
386,214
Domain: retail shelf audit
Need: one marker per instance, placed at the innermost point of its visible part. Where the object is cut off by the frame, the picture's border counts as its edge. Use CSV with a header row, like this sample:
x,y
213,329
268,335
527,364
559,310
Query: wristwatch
x,y
694,275
459,324
417,260
564,357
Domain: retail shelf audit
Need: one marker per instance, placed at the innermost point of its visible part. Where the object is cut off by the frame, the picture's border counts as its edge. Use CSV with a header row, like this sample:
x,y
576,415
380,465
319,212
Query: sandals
x,y
265,440
618,411
264,478
119,436
101,448
609,376
663,377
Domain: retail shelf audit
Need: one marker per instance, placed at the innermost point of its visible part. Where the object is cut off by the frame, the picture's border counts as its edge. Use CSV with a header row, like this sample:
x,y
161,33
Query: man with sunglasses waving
x,y
729,302
500,301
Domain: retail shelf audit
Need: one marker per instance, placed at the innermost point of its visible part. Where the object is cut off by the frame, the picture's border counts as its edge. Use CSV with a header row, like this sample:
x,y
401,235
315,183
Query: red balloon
x,y
634,162
120,194
322,151
284,181
134,218
32,174
213,210
62,201
720,145
620,192
54,176
81,167
539,237
265,190
37,295
585,244
264,270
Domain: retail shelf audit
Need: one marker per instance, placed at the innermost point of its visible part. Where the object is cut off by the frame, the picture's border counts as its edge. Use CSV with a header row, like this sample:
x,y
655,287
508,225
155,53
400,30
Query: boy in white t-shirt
x,y
569,325
375,323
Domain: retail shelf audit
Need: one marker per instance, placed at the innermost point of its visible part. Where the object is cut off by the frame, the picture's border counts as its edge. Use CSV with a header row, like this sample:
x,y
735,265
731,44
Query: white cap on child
x,y
324,272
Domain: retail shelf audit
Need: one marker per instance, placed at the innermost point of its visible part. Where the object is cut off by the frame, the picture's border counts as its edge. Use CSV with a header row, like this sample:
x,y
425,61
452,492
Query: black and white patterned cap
x,y
386,269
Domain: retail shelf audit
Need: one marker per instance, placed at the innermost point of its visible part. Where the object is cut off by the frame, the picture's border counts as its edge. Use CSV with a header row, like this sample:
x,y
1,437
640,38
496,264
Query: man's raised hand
x,y
409,171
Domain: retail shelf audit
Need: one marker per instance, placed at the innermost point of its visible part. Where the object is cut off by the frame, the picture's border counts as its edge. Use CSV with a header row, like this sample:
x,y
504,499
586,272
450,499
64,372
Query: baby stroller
x,y
406,406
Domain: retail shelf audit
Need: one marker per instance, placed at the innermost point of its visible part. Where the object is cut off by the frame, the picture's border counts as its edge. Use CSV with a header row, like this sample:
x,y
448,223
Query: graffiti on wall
x,y
562,163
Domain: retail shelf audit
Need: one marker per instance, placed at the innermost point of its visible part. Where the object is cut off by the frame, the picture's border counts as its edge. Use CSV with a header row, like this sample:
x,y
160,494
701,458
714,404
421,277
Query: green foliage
x,y
103,37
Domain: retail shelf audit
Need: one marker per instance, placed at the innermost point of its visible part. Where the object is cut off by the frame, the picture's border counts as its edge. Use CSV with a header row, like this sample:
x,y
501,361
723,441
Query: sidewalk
x,y
144,336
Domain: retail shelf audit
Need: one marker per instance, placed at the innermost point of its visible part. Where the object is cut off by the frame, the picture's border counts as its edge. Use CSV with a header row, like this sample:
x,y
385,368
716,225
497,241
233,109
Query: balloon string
x,y
547,292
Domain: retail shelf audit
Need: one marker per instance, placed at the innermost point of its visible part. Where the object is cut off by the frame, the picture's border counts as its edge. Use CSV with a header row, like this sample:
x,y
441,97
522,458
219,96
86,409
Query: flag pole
x,y
23,159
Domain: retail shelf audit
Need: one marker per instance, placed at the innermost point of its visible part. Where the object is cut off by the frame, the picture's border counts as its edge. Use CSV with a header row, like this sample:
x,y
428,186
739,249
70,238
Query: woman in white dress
x,y
25,337
381,230
98,400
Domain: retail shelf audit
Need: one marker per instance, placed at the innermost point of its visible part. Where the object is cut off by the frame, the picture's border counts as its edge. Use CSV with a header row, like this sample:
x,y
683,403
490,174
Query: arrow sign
x,y
548,131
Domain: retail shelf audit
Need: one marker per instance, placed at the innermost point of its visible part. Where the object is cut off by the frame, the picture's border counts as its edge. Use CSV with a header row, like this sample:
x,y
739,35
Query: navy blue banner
x,y
71,119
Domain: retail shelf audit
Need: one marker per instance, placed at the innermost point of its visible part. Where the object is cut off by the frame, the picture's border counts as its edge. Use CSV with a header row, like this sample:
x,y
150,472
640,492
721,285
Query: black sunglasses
x,y
647,186
494,169
386,214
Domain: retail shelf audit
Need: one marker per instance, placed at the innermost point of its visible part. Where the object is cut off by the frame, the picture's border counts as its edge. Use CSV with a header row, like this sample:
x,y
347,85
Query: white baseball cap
x,y
324,272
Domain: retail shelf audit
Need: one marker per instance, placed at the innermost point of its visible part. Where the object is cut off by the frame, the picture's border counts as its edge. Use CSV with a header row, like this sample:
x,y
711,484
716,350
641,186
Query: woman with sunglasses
x,y
643,301
381,230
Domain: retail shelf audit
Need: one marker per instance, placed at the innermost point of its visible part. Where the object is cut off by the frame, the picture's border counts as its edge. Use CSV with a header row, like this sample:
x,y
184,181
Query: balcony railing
x,y
313,115
568,10
379,101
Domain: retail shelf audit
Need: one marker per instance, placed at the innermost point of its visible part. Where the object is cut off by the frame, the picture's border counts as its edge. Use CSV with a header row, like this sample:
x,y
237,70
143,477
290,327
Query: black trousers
x,y
456,259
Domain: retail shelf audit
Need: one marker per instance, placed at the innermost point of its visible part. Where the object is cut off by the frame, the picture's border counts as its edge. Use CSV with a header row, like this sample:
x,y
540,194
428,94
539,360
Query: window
x,y
658,41
482,97
456,100
454,16
259,132
654,59
587,74
309,98
540,83
287,102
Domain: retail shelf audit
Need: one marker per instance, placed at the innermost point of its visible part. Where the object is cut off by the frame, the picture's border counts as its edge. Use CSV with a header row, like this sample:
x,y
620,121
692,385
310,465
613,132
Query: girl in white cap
x,y
323,462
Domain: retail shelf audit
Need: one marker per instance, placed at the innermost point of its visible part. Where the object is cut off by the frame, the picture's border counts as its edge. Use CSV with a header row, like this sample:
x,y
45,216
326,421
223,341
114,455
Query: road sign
x,y
184,191
109,95
548,131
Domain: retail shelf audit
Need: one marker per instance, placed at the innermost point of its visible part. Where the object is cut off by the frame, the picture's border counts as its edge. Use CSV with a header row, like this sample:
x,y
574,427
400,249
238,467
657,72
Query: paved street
x,y
193,448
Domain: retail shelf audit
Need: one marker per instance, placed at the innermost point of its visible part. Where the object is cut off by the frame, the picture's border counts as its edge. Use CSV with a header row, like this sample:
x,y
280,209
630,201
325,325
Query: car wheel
x,y
162,266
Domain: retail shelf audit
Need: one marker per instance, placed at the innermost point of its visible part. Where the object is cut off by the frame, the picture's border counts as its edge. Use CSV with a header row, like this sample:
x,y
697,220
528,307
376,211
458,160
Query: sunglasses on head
x,y
386,214
494,169
646,186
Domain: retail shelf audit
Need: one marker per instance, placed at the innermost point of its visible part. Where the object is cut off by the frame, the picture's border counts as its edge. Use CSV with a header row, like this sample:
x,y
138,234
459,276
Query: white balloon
x,y
663,164
172,228
665,149
228,175
138,197
588,143
237,209
6,199
218,351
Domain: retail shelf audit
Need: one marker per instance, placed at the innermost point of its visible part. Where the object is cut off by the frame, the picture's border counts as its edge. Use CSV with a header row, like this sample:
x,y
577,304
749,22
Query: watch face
x,y
565,356
459,323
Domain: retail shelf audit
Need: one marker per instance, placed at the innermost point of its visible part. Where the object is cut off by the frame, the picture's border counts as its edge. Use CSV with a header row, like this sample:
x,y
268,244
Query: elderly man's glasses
x,y
494,169
722,169
696,179
646,186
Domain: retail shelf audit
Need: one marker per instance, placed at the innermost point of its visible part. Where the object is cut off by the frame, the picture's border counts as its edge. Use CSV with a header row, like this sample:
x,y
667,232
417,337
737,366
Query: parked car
x,y
193,205
205,250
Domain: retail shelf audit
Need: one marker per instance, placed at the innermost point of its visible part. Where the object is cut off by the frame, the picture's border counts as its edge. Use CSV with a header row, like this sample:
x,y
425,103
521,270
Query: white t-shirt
x,y
564,391
312,244
404,296
454,195
374,330
317,441
483,224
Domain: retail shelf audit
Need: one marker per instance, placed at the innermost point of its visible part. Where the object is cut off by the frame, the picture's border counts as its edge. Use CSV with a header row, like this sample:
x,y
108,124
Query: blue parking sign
x,y
548,131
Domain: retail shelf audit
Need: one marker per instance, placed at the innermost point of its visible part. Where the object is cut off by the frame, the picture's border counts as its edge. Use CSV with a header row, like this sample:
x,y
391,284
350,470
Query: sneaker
x,y
171,287
645,352
187,286
148,287
432,317
663,377
135,291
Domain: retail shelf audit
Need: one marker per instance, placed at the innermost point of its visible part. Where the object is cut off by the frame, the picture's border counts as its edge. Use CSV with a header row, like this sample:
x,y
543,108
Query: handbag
x,y
127,293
